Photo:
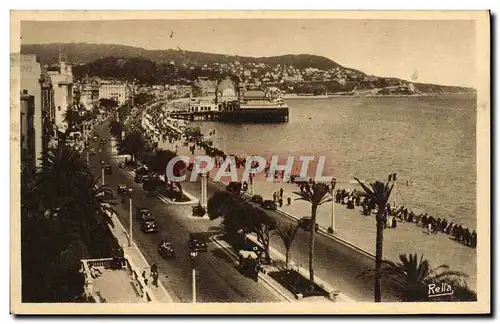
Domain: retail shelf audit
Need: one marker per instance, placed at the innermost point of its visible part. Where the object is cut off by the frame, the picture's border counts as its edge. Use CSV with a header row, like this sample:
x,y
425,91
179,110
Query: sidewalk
x,y
360,231
138,261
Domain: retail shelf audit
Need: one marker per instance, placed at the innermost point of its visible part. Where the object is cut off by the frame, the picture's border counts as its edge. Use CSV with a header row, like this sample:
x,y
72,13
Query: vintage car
x,y
149,226
108,169
269,204
122,189
306,224
197,245
166,250
143,214
249,264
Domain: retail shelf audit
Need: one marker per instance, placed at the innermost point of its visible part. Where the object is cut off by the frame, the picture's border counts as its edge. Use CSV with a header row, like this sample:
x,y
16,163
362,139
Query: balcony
x,y
109,281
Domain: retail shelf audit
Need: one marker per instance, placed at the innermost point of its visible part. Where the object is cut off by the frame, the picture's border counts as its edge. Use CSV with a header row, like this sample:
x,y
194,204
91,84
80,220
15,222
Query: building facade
x,y
114,90
27,132
31,104
62,83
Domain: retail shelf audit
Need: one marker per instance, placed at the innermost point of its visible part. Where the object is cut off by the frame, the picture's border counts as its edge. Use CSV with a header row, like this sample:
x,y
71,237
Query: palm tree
x,y
316,194
61,169
93,205
379,193
72,117
413,275
287,232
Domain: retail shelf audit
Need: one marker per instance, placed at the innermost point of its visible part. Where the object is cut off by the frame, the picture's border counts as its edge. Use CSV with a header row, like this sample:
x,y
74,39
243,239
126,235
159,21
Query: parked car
x,y
122,189
234,187
143,214
103,141
95,138
306,224
269,204
197,245
140,174
108,169
166,250
149,226
92,151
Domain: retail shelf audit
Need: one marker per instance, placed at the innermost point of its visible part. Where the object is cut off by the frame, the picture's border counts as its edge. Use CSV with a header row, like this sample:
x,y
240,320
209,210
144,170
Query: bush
x,y
257,199
199,211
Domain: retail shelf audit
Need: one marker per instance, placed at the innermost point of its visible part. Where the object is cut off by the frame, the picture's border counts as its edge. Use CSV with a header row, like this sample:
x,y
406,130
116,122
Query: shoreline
x,y
290,96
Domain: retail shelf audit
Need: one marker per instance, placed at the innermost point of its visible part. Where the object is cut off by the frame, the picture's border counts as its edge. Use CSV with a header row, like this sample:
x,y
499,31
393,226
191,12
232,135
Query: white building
x,y
62,81
201,106
114,90
31,112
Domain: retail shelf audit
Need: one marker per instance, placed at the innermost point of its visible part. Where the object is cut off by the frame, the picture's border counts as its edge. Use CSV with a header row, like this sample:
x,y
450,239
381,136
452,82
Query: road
x,y
218,280
335,263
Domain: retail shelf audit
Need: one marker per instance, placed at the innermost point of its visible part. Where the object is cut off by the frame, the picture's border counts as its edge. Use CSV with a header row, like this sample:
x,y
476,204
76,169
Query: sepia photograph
x,y
250,162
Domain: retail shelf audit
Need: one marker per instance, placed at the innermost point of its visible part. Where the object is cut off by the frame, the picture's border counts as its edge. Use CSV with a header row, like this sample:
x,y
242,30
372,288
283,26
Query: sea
x,y
429,142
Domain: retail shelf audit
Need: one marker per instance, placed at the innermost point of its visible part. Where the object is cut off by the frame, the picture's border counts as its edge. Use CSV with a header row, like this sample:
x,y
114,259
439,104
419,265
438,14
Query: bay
x,y
430,142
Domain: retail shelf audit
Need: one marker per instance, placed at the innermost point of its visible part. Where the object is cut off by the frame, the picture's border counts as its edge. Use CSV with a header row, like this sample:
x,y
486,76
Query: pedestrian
x,y
429,228
281,192
289,201
281,202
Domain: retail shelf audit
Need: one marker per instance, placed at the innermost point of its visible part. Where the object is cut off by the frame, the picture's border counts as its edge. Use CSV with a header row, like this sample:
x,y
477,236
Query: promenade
x,y
359,230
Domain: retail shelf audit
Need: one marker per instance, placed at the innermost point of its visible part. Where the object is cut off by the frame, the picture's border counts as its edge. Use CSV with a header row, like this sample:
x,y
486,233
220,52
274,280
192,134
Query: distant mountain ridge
x,y
86,53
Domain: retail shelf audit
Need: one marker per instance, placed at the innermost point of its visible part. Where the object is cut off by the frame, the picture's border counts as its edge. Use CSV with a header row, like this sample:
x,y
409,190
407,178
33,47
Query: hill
x,y
81,53
153,66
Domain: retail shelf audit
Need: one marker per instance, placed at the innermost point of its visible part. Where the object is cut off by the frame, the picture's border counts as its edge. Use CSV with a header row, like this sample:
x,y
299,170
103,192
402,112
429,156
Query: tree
x,y
240,217
260,223
108,104
160,160
412,276
62,211
316,194
115,129
220,204
133,144
287,232
379,193
57,178
72,117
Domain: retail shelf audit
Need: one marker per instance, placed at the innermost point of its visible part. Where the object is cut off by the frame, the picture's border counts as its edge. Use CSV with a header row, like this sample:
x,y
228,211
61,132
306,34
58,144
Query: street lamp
x,y
102,172
192,256
332,224
130,218
251,184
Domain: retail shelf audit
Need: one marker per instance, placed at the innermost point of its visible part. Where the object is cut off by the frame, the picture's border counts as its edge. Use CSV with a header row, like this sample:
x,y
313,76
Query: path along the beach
x,y
359,230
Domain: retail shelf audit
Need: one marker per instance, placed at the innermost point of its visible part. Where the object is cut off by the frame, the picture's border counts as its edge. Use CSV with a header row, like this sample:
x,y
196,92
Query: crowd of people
x,y
393,215
350,198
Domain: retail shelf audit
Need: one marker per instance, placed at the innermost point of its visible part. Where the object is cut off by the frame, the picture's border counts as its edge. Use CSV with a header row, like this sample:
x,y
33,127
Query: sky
x,y
435,51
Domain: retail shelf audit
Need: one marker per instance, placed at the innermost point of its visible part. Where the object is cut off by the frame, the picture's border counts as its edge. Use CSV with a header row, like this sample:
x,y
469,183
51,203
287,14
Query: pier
x,y
258,115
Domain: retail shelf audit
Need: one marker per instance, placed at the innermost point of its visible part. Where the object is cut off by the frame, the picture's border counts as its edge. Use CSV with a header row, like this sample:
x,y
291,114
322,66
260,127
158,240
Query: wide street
x,y
335,263
218,280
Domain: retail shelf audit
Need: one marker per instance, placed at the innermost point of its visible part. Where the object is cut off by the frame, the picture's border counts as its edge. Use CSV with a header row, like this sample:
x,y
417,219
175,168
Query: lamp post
x,y
193,255
102,172
203,200
332,224
251,184
130,218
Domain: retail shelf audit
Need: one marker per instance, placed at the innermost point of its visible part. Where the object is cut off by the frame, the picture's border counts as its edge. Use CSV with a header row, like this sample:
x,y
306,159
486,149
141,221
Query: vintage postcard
x,y
250,162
